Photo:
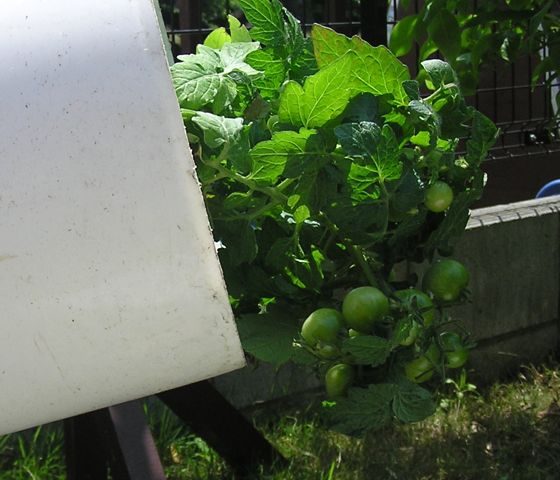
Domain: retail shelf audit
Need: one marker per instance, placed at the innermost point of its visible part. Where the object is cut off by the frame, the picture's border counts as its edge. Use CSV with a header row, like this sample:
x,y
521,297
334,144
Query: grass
x,y
509,431
33,455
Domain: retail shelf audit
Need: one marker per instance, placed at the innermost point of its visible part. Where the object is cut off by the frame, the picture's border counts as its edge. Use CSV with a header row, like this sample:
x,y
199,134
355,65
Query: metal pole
x,y
374,21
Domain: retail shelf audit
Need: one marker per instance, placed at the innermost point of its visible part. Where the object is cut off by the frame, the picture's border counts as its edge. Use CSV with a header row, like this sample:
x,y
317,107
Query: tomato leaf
x,y
440,72
483,136
274,72
358,139
239,241
362,108
302,62
412,89
217,38
406,193
208,77
367,349
378,154
453,225
238,32
218,130
374,69
412,403
445,32
386,160
322,98
402,35
266,19
365,409
287,153
268,336
406,229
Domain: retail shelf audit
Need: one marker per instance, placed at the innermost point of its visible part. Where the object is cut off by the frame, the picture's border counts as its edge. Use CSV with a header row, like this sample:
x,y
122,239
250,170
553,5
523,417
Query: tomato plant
x,y
315,154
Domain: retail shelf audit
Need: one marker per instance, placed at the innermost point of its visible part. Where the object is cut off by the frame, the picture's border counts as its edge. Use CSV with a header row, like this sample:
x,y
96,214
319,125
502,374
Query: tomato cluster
x,y
409,321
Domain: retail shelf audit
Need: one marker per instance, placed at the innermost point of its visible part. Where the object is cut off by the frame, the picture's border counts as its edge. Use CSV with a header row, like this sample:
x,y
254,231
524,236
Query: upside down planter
x,y
110,285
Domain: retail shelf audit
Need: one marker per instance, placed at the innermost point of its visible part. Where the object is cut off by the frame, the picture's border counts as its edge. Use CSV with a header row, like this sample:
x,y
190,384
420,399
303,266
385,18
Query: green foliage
x,y
367,349
314,156
371,408
36,453
471,35
268,337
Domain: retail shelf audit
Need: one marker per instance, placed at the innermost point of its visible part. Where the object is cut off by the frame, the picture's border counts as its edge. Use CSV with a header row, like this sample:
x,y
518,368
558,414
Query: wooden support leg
x,y
85,459
228,432
136,442
115,438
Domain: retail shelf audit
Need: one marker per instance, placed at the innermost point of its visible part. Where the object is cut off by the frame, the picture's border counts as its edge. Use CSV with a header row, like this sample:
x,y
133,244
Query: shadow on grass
x,y
509,445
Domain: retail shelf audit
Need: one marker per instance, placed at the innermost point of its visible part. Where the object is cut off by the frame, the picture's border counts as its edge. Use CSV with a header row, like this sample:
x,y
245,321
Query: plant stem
x,y
362,263
355,251
432,96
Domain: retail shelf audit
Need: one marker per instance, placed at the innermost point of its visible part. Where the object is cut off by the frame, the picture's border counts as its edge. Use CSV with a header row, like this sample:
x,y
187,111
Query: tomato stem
x,y
362,263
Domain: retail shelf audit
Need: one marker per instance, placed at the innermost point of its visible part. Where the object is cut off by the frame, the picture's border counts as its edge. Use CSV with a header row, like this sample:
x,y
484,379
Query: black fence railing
x,y
524,113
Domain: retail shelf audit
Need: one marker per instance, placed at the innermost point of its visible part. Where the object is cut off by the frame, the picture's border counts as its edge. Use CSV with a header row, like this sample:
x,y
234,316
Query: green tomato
x,y
363,307
446,279
438,196
450,341
456,358
456,355
323,325
338,379
419,370
412,335
411,296
327,351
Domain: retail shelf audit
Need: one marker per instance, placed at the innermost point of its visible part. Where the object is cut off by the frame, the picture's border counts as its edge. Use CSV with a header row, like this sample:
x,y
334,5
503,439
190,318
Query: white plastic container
x,y
110,288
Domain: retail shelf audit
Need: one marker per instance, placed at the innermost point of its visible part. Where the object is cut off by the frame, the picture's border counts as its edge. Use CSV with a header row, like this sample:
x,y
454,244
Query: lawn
x,y
507,431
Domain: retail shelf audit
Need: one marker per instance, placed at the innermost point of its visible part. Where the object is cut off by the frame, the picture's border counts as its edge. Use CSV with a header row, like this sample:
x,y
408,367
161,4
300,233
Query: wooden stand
x,y
118,439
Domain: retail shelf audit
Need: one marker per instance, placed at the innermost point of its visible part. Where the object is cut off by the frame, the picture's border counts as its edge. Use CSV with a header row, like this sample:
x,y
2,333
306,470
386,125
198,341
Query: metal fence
x,y
523,113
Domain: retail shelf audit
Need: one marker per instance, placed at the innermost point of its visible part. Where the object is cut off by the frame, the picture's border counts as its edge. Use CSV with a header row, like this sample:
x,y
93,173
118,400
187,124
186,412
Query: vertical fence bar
x,y
374,21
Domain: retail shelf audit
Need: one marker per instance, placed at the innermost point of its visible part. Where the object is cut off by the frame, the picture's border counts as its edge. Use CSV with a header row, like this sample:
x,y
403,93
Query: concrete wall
x,y
513,254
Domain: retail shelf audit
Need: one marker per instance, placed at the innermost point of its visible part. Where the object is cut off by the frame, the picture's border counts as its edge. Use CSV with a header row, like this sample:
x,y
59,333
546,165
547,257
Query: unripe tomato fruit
x,y
423,303
322,325
446,279
363,307
419,370
438,196
327,351
412,335
450,341
422,368
338,379
456,355
456,358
